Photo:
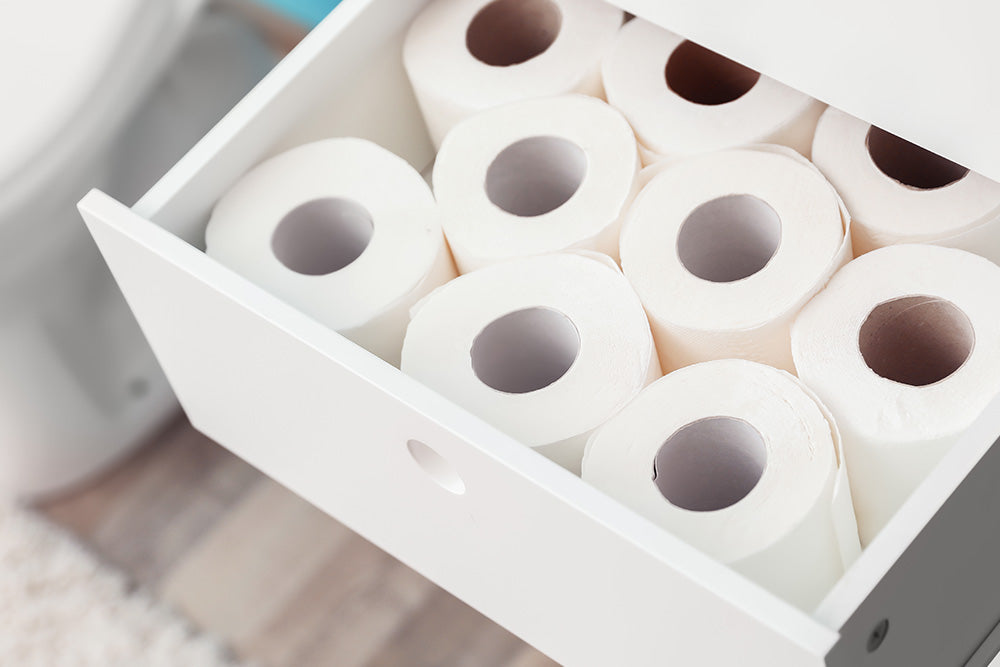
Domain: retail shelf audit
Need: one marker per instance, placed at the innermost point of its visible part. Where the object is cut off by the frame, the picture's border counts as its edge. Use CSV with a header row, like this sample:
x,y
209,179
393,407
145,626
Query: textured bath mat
x,y
60,606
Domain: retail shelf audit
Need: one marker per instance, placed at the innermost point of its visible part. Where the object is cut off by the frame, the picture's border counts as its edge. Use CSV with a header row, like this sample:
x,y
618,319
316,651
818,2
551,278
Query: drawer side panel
x,y
941,594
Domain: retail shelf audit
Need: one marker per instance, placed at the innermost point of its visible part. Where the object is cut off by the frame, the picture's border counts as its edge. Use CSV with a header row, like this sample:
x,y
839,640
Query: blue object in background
x,y
306,12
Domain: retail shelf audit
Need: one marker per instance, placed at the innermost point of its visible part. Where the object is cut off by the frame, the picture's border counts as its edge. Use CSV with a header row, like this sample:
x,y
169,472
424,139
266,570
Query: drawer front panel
x,y
527,543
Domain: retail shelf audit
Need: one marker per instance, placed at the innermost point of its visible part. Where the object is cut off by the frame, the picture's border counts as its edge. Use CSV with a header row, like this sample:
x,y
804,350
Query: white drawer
x,y
555,561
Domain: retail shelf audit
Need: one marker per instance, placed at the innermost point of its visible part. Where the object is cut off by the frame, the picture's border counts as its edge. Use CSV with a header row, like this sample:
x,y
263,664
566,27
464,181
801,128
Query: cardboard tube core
x,y
322,236
510,32
910,164
729,238
705,77
525,350
536,175
916,340
710,464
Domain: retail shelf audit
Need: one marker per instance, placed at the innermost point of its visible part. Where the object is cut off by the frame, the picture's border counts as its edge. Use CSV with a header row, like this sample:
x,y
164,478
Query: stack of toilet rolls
x,y
465,56
740,460
314,226
683,99
724,250
901,193
725,263
536,176
903,347
546,348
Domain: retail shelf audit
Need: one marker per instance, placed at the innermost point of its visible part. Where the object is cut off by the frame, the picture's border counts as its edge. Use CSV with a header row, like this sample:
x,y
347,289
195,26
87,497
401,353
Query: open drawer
x,y
557,562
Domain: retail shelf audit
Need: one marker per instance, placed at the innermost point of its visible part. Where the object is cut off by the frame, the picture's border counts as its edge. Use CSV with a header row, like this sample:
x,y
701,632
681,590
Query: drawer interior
x,y
346,79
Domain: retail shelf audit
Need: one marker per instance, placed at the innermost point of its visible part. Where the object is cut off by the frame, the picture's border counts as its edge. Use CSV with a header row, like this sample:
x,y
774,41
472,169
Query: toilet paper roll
x,y
900,193
463,56
903,346
738,459
545,348
536,176
683,99
724,249
342,229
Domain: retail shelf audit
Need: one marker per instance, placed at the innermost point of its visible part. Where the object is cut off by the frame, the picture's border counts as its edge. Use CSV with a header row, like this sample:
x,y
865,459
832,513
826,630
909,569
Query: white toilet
x,y
103,93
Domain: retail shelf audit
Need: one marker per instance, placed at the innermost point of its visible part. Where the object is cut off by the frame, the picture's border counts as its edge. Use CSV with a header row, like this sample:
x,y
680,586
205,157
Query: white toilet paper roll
x,y
535,176
545,348
683,99
342,229
903,346
738,459
724,249
900,193
463,56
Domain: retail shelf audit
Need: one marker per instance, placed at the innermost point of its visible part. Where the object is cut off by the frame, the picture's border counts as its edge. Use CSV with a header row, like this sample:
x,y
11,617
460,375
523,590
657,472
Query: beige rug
x,y
60,606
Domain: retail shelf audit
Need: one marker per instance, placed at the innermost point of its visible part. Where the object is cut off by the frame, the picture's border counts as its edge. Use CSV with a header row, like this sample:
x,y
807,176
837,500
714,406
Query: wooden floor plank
x,y
445,631
145,514
254,561
529,657
347,612
279,580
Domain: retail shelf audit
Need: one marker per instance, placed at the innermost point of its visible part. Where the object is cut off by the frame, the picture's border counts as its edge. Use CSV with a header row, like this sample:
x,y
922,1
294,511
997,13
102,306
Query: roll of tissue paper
x,y
900,193
683,99
342,229
738,459
545,348
535,176
903,347
724,249
463,56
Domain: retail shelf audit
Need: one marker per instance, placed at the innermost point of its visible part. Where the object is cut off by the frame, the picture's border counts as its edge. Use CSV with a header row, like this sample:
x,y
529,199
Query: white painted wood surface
x,y
531,546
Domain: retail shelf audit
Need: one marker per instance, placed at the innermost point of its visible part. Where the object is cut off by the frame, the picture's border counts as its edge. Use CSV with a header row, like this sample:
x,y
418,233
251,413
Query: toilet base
x,y
79,386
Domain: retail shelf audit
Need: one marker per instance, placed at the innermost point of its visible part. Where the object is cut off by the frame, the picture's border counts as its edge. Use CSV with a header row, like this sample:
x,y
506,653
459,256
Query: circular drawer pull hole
x,y
436,466
877,636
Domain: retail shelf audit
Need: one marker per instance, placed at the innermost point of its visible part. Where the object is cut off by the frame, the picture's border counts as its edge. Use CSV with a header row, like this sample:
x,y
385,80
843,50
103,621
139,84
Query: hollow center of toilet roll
x,y
710,464
703,76
729,238
535,176
916,340
322,236
525,350
510,32
910,164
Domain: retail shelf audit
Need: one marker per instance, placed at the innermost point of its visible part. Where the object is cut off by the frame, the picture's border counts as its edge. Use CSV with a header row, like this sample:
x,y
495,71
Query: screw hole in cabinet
x,y
878,635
